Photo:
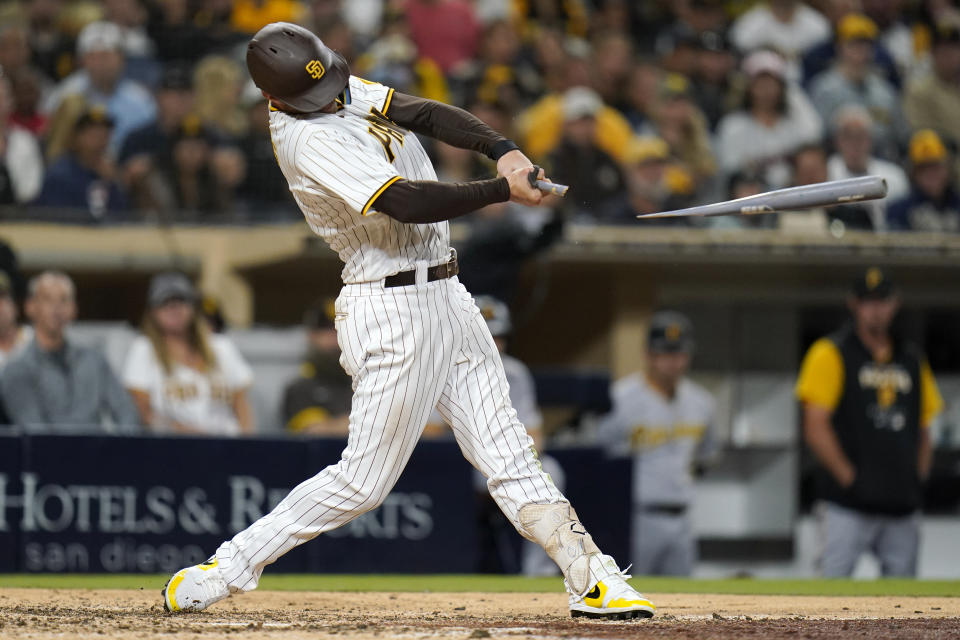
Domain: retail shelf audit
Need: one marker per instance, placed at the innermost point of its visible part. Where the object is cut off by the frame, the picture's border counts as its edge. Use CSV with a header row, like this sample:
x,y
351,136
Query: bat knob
x,y
533,175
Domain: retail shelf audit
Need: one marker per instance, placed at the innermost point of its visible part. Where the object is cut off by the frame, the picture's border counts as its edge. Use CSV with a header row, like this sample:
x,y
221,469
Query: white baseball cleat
x,y
195,588
609,597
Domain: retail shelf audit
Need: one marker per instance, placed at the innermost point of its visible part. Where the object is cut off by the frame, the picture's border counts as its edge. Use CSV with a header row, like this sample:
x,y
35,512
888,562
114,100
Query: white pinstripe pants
x,y
408,349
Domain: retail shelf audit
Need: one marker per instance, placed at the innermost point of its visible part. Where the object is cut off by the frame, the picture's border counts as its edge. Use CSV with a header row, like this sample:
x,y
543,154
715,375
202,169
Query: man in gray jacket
x,y
56,386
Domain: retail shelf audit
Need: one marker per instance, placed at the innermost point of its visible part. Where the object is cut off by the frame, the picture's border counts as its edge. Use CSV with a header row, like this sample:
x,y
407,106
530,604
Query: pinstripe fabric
x,y
408,349
334,164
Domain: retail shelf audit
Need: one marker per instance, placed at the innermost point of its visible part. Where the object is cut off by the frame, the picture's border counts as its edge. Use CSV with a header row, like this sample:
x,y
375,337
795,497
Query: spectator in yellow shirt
x,y
249,16
540,127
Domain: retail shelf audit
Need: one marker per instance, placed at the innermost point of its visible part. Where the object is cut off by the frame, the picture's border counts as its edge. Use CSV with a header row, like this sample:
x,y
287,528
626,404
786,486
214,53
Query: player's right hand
x,y
511,161
520,190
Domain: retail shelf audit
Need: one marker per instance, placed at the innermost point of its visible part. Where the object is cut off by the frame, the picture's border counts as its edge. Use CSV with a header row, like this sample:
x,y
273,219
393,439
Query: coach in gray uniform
x,y
666,422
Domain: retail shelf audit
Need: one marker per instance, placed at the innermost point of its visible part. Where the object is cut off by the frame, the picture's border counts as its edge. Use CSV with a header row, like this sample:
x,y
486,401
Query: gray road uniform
x,y
665,436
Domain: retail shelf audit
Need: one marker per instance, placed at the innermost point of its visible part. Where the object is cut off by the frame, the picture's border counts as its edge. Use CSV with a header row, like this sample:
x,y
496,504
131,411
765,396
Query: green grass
x,y
515,584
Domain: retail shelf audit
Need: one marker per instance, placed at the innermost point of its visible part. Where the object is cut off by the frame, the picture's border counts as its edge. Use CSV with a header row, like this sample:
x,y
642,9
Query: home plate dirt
x,y
75,614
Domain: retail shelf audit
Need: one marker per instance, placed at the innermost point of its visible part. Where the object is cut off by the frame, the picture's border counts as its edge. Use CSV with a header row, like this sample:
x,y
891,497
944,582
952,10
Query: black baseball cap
x,y
670,332
715,41
177,77
946,33
496,314
192,127
94,116
677,36
170,286
873,284
674,86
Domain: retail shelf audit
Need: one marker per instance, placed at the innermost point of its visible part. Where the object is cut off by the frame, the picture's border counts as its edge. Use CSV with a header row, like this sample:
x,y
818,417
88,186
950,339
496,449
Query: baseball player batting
x,y
412,336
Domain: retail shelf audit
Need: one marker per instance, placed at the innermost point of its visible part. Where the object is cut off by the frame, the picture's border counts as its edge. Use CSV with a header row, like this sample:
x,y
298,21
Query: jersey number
x,y
385,132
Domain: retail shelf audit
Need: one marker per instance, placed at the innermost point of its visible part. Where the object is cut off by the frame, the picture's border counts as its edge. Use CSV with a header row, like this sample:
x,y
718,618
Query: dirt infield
x,y
60,613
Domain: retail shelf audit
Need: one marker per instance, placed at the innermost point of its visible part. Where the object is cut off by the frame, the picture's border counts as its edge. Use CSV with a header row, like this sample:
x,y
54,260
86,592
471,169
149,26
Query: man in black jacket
x,y
868,401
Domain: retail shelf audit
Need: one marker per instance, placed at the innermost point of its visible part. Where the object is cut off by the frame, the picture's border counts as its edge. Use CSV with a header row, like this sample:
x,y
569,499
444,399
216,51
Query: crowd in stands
x,y
179,375
140,110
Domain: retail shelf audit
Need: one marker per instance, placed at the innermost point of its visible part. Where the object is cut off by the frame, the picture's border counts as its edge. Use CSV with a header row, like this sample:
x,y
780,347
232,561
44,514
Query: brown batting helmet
x,y
293,65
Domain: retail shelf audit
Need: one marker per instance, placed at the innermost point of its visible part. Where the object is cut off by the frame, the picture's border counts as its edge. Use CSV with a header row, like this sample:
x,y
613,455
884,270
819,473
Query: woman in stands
x,y
776,121
183,379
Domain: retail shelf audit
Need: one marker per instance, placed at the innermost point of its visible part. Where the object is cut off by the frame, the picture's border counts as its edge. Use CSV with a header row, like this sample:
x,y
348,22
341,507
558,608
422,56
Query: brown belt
x,y
439,272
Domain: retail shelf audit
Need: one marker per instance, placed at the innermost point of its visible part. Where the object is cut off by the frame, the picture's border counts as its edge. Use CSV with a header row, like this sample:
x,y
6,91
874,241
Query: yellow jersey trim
x,y
386,103
366,207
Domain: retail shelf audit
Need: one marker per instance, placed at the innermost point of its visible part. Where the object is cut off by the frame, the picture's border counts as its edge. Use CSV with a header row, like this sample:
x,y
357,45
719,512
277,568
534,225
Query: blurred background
x,y
170,367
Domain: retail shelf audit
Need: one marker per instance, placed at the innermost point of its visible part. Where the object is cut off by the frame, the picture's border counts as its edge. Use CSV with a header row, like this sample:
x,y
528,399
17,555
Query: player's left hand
x,y
511,161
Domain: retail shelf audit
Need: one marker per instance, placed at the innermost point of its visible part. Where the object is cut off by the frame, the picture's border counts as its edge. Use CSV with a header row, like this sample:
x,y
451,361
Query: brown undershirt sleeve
x,y
423,201
447,124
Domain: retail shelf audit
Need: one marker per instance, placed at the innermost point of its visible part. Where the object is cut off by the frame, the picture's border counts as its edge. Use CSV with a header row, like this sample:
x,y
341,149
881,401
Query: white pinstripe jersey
x,y
338,163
